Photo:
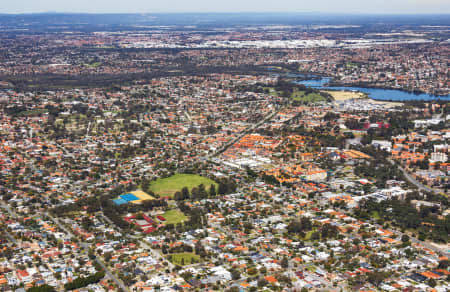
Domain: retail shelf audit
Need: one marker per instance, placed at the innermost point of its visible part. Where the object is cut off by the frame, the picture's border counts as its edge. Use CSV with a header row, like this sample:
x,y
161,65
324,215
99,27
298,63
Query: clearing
x,y
184,258
340,95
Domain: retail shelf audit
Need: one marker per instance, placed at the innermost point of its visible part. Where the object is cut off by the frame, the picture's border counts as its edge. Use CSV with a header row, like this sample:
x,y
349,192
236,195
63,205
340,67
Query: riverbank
x,y
343,95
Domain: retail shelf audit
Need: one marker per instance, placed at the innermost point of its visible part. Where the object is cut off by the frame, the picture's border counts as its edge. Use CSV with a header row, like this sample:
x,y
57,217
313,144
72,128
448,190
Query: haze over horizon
x,y
205,6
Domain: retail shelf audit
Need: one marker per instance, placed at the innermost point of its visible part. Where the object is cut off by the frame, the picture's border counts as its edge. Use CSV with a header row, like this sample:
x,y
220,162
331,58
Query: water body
x,y
374,93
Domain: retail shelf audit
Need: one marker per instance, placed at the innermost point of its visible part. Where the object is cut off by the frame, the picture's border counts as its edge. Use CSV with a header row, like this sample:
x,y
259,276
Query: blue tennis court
x,y
119,201
129,197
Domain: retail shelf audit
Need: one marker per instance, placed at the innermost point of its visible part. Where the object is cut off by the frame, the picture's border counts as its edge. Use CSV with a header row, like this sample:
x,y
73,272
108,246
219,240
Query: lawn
x,y
94,65
308,234
375,215
33,112
313,97
189,258
174,217
169,186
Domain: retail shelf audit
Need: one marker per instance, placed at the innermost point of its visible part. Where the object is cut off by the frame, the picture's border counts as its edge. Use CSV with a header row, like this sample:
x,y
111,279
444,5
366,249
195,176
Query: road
x,y
155,253
186,114
142,242
11,212
422,243
83,244
243,133
321,280
430,246
412,239
413,180
11,238
86,246
108,272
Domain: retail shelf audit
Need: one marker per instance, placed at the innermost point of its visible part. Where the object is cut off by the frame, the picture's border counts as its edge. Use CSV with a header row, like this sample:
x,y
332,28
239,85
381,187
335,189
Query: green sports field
x,y
169,186
174,217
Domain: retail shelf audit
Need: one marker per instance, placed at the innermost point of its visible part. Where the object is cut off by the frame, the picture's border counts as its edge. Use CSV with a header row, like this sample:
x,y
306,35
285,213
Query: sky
x,y
155,6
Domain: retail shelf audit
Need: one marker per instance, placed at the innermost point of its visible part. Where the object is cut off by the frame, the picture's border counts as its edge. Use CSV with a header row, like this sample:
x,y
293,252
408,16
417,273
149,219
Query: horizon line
x,y
231,12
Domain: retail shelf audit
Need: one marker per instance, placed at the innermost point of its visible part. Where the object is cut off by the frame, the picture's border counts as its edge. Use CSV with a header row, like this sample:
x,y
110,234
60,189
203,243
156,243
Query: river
x,y
374,93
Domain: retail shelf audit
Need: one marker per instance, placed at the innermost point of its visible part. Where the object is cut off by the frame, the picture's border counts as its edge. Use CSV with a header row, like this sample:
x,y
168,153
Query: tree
x,y
186,276
235,274
367,188
330,116
200,249
202,194
262,282
297,226
178,196
432,282
329,231
223,189
86,223
443,264
107,256
185,193
42,288
212,190
285,263
194,193
376,278
84,281
405,238
252,271
315,236
366,139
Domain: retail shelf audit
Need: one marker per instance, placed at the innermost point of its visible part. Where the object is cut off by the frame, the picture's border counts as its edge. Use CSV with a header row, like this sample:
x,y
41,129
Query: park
x,y
167,187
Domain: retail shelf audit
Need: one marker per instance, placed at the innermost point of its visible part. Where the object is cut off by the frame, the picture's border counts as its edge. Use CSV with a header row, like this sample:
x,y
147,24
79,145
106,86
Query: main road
x,y
425,244
247,130
413,180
